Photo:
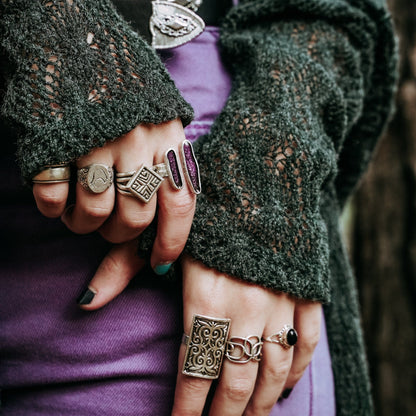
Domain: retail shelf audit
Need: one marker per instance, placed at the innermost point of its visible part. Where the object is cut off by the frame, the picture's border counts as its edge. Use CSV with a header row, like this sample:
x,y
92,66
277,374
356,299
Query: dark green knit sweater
x,y
313,82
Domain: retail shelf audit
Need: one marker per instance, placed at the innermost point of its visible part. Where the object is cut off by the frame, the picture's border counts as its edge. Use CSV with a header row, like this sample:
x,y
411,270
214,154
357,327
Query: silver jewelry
x,y
190,4
174,23
241,350
191,167
96,178
142,184
286,337
205,347
53,174
145,182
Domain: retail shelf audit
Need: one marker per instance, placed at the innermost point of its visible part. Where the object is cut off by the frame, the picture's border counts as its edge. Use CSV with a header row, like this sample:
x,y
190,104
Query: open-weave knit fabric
x,y
313,82
312,91
82,77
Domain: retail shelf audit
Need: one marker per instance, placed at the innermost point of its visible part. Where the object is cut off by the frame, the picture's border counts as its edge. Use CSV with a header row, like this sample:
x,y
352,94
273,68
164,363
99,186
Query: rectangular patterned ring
x,y
205,347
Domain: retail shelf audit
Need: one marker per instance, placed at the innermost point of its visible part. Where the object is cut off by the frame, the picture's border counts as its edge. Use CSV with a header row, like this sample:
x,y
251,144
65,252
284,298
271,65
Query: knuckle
x,y
111,266
51,199
277,374
181,205
254,299
297,373
136,221
238,389
97,212
171,247
194,386
309,341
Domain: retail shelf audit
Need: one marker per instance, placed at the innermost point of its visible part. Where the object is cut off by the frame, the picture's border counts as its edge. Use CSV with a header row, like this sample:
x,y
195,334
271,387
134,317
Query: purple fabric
x,y
122,359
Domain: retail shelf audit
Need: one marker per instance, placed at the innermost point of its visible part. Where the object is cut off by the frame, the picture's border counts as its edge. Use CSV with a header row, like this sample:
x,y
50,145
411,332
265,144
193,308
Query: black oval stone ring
x,y
286,337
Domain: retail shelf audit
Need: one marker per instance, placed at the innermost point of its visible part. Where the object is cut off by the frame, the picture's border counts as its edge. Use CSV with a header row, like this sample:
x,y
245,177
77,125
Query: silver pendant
x,y
173,25
190,4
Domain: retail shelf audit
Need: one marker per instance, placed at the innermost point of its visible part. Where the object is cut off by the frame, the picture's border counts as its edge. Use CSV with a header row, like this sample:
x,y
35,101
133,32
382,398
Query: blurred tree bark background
x,y
381,236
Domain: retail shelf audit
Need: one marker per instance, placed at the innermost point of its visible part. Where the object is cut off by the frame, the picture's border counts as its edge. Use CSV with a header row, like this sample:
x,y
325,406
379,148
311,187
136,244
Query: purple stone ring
x,y
286,337
144,182
191,167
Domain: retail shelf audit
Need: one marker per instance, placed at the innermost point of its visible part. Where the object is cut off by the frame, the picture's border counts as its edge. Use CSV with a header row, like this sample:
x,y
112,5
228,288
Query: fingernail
x,y
86,297
162,268
286,393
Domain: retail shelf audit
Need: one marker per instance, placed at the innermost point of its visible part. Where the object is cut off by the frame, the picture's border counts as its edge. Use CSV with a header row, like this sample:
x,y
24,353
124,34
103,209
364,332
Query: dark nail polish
x,y
286,393
86,297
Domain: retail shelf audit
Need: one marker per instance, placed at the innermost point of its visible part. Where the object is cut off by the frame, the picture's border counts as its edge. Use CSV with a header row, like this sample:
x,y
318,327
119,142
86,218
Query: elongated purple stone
x,y
191,166
175,176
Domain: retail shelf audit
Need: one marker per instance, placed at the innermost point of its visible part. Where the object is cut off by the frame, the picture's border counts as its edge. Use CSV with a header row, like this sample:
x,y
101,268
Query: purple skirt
x,y
56,359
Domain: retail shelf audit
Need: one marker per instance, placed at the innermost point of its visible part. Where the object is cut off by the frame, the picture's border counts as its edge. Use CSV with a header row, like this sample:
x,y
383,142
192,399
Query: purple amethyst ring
x,y
145,182
191,167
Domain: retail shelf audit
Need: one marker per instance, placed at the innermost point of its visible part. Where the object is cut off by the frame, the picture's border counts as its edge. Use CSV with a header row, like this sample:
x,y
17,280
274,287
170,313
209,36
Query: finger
x,y
175,215
51,198
237,380
90,209
115,272
191,392
308,325
131,215
275,363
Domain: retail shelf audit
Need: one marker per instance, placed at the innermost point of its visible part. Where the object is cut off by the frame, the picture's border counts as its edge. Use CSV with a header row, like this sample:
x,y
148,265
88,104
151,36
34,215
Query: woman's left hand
x,y
252,388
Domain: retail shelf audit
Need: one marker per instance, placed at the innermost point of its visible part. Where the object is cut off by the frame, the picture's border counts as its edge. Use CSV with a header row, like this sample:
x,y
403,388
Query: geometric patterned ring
x,y
143,183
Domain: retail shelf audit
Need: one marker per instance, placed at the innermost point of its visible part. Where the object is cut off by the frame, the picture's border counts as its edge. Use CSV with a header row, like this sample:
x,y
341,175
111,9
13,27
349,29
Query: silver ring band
x,y
53,174
241,350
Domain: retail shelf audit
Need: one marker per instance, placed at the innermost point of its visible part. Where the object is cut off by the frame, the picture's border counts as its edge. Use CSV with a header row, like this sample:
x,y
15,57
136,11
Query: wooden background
x,y
381,235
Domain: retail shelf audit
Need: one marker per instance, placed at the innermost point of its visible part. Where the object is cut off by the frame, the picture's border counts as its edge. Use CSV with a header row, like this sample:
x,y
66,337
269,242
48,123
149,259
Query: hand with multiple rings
x,y
236,333
255,341
138,164
244,335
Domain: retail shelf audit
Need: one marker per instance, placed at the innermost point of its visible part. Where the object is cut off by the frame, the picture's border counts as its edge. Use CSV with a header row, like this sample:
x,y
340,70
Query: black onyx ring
x,y
286,337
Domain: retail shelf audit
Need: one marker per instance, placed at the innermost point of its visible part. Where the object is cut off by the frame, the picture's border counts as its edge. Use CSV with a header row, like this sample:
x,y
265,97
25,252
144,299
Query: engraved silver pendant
x,y
190,4
172,24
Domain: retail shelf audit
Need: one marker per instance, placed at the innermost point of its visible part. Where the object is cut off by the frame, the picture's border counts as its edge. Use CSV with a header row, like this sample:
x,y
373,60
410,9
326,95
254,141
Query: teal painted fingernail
x,y
162,268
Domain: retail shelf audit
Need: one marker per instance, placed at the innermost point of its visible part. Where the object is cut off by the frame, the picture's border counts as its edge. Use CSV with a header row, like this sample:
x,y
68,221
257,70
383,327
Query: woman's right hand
x,y
121,218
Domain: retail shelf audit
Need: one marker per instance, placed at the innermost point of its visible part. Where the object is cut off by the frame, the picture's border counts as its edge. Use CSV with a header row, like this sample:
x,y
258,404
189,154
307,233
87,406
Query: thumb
x,y
113,275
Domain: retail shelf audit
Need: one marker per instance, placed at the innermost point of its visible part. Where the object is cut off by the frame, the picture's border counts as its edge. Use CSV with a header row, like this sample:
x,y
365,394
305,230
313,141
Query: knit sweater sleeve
x,y
305,74
81,76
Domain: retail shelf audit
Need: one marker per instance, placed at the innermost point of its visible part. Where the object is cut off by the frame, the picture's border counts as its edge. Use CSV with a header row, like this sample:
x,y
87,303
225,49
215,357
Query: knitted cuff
x,y
83,77
232,250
